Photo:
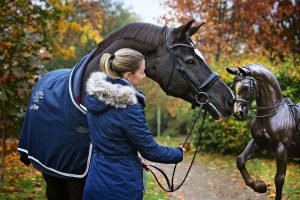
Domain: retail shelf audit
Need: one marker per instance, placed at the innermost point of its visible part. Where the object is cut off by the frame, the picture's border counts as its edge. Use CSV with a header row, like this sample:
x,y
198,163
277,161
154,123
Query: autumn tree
x,y
24,38
213,37
237,27
82,25
78,31
274,26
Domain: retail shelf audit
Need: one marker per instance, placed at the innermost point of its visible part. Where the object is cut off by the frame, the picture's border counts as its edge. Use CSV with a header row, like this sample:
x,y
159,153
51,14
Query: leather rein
x,y
170,184
198,90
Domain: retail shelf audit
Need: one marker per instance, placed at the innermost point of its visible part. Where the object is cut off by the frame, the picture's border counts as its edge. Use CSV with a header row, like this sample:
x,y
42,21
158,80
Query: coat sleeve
x,y
139,134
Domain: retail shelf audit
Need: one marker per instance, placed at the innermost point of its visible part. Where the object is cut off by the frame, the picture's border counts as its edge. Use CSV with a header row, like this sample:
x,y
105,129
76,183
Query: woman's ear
x,y
127,75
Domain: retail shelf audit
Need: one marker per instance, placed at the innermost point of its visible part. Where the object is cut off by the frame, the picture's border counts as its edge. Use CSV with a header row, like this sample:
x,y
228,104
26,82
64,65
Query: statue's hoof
x,y
259,186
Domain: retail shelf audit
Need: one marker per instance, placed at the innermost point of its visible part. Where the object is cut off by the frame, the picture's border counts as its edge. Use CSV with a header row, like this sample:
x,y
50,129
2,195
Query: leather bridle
x,y
252,91
199,90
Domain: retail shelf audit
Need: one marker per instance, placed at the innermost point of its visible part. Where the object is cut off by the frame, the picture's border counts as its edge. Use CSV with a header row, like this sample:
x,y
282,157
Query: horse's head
x,y
244,87
182,72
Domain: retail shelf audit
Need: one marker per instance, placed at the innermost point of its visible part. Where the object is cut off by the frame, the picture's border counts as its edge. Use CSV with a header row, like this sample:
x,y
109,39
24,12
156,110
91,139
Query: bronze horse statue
x,y
274,128
55,135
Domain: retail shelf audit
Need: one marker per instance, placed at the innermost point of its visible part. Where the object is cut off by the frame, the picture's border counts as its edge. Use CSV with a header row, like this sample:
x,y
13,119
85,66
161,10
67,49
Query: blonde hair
x,y
122,61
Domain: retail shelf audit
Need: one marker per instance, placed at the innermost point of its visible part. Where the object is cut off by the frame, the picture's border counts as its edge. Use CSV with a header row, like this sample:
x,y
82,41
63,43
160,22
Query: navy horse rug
x,y
55,137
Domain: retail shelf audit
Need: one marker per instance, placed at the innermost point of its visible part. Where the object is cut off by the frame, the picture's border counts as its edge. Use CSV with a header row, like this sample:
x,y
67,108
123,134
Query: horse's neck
x,y
268,96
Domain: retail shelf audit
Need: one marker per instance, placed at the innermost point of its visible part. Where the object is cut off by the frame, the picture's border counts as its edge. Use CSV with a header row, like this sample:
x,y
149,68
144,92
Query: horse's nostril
x,y
239,115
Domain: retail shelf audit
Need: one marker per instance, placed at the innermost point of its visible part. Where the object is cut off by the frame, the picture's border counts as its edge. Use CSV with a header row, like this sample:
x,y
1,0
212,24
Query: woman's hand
x,y
182,148
144,165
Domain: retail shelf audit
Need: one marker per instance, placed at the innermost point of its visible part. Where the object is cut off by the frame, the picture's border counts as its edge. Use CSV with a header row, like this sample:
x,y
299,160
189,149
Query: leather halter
x,y
198,89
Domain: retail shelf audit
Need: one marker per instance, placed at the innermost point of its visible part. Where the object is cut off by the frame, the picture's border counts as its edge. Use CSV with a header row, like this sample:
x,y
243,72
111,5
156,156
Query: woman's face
x,y
136,77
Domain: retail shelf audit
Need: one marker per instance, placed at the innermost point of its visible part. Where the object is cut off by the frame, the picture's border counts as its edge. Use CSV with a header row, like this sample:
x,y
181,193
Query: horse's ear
x,y
233,71
243,71
181,31
194,29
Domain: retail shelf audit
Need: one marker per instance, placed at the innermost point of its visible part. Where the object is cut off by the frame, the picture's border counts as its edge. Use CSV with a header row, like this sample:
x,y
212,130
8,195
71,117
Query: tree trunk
x,y
158,121
2,157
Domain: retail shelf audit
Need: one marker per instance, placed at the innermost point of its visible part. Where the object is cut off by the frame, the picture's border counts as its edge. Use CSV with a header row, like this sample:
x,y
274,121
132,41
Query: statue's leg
x,y
281,163
250,151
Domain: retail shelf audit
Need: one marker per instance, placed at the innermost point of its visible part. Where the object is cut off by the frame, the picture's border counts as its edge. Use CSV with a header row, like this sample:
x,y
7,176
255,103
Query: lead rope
x,y
171,184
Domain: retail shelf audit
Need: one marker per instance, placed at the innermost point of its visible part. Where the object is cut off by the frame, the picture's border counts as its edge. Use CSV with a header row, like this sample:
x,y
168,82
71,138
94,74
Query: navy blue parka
x,y
118,131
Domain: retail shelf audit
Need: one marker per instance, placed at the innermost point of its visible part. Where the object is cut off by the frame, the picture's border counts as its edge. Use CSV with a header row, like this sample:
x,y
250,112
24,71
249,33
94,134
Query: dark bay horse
x,y
55,132
275,127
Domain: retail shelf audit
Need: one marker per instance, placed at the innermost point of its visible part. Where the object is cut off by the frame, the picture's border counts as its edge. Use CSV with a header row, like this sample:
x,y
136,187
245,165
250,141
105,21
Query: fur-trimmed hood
x,y
117,93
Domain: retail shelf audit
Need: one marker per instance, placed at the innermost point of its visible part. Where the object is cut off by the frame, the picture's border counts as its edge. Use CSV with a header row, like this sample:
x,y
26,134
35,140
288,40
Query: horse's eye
x,y
190,61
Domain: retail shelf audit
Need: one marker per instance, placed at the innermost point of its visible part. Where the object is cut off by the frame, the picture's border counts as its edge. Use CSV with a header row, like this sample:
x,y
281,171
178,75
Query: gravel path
x,y
208,182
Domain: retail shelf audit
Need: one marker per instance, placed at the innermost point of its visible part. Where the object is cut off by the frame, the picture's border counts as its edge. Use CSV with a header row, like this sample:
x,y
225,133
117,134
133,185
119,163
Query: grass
x,y
153,191
21,182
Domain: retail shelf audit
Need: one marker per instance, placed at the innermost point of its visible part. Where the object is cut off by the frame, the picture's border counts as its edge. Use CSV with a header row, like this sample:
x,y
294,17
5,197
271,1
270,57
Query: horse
x,y
55,138
275,127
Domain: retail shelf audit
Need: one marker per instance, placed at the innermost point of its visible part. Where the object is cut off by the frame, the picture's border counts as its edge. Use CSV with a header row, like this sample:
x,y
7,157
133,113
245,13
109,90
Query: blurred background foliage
x,y
41,35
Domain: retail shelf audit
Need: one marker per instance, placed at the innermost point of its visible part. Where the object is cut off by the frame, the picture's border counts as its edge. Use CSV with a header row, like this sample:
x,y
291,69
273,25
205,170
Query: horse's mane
x,y
143,32
260,70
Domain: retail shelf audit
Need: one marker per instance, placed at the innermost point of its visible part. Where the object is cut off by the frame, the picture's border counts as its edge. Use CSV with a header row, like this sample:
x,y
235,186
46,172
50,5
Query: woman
x,y
118,129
